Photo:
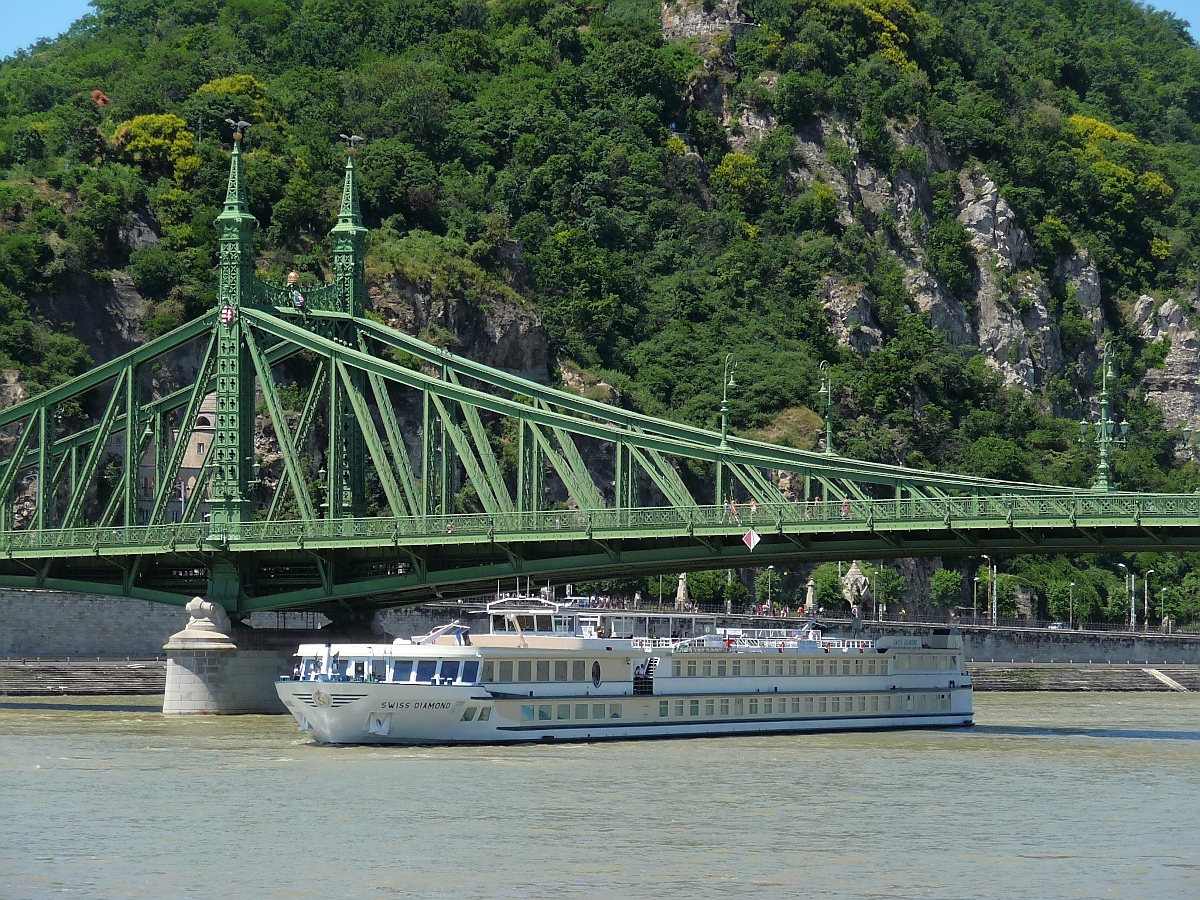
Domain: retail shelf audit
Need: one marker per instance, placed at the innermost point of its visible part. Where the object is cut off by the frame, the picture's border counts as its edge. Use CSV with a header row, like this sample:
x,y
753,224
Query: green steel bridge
x,y
409,473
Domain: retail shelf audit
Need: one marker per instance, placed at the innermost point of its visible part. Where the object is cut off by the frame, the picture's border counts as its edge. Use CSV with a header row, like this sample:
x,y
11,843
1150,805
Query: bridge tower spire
x,y
347,489
233,439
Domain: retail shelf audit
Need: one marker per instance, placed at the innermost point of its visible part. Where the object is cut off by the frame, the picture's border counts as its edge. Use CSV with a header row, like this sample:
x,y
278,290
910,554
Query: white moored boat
x,y
555,672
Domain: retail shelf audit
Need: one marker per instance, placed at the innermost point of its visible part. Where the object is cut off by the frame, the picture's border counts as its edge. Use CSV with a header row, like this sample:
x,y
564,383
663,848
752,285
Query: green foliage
x,y
945,588
767,585
949,248
828,588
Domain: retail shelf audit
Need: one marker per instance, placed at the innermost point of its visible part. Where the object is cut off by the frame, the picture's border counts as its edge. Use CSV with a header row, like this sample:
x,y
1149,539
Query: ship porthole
x,y
596,673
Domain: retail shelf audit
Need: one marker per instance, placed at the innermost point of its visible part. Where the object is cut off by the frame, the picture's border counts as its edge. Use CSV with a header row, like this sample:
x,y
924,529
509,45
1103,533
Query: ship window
x,y
560,670
887,703
526,623
506,670
820,667
564,625
679,707
874,703
676,668
693,707
524,670
795,705
870,667
908,702
822,704
739,707
921,702
848,706
425,669
449,669
806,667
470,672
754,706
402,670
499,623
664,708
862,704
597,710
581,710
527,712
489,671
578,669
691,668
845,667
543,670
709,707
791,667
808,704
883,667
563,711
779,667
858,669
720,668
544,711
724,706
749,667
379,669
468,714
707,668
768,706
485,713
545,623
736,666
614,710
835,704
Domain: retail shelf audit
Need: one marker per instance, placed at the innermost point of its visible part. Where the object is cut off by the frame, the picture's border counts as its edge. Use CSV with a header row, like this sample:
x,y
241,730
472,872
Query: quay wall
x,y
56,623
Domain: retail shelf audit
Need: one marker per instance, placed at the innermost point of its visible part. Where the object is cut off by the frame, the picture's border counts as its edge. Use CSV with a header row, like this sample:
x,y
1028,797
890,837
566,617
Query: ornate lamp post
x,y
1107,431
726,383
1146,599
975,604
1071,608
827,390
1129,588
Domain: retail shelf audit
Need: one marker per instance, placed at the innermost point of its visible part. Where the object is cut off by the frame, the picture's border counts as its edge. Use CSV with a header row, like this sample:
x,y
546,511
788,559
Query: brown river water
x,y
1049,795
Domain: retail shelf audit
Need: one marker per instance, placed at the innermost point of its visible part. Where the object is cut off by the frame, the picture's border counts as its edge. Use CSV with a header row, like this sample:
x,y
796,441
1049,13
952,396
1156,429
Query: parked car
x,y
1058,626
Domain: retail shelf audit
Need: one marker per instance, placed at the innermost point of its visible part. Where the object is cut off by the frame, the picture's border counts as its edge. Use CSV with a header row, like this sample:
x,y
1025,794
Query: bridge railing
x,y
568,524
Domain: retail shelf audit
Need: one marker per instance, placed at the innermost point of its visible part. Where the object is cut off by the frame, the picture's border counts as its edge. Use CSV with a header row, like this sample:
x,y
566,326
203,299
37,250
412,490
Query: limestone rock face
x,y
497,330
849,308
992,223
688,19
1078,274
1172,388
12,388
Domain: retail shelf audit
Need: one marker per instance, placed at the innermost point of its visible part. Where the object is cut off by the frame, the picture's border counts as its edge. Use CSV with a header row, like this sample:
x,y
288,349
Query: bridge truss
x,y
401,472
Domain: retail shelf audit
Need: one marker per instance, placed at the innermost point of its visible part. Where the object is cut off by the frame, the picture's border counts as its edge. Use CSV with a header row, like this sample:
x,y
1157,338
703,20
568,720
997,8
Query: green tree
x,y
767,585
945,588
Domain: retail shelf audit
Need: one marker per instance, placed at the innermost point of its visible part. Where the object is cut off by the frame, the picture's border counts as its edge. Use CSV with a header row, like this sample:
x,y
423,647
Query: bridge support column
x,y
207,674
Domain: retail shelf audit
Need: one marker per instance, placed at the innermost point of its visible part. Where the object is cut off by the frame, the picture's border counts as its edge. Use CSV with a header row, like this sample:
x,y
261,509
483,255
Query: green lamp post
x,y
1107,431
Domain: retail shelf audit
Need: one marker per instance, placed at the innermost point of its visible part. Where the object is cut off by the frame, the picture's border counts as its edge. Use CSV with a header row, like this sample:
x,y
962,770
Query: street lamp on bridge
x,y
1146,599
827,390
1107,431
1071,607
726,383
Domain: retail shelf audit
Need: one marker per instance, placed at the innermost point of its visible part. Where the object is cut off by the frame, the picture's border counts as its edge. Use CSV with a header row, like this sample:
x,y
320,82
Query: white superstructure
x,y
552,672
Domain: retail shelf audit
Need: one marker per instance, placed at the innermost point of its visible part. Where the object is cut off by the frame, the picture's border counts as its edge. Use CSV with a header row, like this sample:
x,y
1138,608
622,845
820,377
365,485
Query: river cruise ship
x,y
552,672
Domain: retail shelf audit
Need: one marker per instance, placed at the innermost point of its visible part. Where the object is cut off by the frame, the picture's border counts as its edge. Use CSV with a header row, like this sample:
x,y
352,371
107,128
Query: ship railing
x,y
649,643
847,644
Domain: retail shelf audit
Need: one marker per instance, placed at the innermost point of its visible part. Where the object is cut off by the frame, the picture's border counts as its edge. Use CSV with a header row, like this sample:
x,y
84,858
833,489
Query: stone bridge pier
x,y
208,674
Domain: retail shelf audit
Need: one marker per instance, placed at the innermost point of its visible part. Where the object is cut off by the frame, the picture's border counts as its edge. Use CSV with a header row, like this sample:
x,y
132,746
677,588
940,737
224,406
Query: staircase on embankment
x,y
78,677
993,676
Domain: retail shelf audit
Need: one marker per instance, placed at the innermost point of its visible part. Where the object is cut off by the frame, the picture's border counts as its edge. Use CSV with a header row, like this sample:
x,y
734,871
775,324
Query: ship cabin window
x,y
724,706
449,669
707,668
581,710
767,704
614,710
858,667
677,668
578,670
709,707
806,667
597,710
808,704
721,668
484,714
845,667
470,672
795,706
560,670
544,711
499,623
791,667
820,667
563,711
870,667
750,667
679,707
527,712
693,707
379,670
739,707
822,705
564,625
468,714
402,670
736,668
691,668
489,671
425,670
543,670
754,706
524,670
308,668
544,623
506,670
779,667
358,670
664,708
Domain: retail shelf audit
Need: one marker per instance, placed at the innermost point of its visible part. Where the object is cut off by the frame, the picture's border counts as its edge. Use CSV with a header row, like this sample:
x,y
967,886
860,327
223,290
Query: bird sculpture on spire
x,y
240,127
353,140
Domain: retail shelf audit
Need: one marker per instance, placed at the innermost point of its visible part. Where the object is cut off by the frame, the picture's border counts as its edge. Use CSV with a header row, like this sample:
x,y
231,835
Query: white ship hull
x,y
366,713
